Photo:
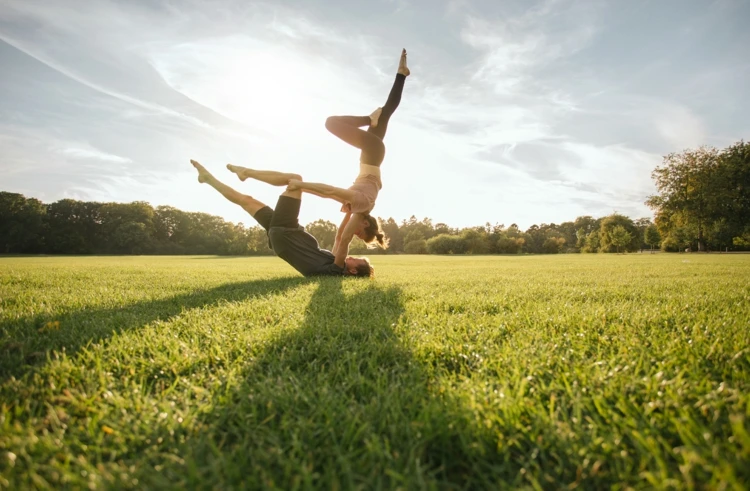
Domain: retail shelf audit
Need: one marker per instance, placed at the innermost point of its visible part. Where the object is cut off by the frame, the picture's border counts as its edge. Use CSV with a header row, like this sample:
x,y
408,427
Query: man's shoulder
x,y
328,270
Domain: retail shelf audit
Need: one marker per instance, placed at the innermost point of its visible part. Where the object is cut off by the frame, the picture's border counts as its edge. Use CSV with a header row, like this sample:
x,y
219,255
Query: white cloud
x,y
93,154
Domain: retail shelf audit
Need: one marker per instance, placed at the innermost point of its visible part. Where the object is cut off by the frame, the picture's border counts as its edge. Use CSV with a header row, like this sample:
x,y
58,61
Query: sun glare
x,y
267,88
259,84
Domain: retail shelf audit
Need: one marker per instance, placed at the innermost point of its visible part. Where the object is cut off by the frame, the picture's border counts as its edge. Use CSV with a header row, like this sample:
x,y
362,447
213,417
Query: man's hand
x,y
294,185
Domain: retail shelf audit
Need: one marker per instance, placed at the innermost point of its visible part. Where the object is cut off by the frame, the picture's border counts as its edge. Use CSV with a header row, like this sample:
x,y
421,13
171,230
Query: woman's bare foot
x,y
203,174
375,116
242,172
402,68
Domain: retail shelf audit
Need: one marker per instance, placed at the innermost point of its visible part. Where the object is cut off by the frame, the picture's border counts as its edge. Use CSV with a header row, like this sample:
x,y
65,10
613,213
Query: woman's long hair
x,y
373,234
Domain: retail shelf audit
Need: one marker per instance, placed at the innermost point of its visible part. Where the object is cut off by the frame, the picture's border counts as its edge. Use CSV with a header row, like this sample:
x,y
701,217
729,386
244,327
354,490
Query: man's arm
x,y
323,190
343,243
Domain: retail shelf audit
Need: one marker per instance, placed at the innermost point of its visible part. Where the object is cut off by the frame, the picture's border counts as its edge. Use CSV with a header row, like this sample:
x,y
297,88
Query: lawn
x,y
589,371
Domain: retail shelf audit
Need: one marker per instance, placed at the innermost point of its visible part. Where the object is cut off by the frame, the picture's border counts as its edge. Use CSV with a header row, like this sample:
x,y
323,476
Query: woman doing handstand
x,y
359,199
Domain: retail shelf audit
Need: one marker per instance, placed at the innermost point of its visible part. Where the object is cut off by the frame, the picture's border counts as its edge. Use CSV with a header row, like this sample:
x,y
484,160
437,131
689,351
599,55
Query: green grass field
x,y
589,371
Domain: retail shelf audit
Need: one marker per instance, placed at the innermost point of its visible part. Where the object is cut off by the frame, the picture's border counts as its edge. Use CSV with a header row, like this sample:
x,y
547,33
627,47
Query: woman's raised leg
x,y
380,122
347,128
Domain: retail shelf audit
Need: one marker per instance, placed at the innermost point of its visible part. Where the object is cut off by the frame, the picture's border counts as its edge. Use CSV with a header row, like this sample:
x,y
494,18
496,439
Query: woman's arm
x,y
340,232
343,243
324,190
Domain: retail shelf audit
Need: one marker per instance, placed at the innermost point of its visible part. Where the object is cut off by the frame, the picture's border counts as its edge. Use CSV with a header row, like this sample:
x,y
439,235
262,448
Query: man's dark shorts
x,y
285,215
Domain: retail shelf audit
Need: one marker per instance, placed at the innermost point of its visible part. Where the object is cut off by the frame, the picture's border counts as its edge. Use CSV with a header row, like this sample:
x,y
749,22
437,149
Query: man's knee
x,y
250,205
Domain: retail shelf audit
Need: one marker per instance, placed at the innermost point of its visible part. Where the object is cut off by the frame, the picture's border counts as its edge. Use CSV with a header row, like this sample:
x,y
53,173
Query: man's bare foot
x,y
203,174
242,172
294,185
375,116
402,68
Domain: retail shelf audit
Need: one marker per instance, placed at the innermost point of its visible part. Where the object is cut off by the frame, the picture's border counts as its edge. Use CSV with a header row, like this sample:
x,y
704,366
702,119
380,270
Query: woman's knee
x,y
296,177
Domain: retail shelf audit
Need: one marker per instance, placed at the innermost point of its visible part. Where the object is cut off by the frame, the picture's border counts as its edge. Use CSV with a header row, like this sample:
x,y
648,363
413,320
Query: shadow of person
x,y
335,402
26,345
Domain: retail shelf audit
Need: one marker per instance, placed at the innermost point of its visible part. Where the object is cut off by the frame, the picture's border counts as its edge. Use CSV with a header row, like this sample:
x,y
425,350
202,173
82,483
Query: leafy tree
x,y
696,188
446,244
131,238
608,223
172,228
592,242
444,229
620,237
324,231
74,227
394,234
475,241
358,246
587,223
113,216
418,246
567,231
415,243
720,234
731,191
553,245
743,241
507,244
21,223
257,241
652,236
641,224
536,238
580,238
423,226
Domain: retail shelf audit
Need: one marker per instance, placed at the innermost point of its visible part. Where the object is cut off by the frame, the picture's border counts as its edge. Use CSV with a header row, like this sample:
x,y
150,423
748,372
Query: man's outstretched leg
x,y
248,203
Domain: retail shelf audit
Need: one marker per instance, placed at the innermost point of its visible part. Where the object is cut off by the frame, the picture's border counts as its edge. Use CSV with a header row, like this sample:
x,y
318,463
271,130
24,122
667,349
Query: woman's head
x,y
371,232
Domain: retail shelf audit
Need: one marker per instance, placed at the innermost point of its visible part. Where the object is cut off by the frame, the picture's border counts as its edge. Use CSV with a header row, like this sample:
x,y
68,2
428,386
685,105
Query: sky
x,y
516,111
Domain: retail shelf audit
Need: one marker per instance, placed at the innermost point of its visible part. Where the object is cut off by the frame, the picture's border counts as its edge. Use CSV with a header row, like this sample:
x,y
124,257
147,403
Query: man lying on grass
x,y
286,237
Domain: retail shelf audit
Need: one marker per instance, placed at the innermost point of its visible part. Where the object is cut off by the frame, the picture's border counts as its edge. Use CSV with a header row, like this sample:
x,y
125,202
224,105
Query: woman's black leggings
x,y
370,142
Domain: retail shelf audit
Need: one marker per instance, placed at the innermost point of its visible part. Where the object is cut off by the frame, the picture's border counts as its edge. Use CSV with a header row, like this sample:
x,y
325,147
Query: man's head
x,y
358,266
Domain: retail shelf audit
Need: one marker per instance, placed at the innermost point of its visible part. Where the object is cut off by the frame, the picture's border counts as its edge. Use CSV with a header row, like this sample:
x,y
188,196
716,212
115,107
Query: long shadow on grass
x,y
27,342
338,403
322,403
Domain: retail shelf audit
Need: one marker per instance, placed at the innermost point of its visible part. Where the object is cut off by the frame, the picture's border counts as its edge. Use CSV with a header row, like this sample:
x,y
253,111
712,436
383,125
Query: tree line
x,y
703,203
84,227
68,226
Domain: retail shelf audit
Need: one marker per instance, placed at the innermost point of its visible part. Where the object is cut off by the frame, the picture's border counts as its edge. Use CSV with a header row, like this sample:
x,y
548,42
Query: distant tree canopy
x,y
79,227
28,226
703,199
703,202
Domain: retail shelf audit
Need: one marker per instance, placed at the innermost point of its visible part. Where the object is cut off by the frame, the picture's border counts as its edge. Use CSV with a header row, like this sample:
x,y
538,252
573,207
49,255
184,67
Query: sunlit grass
x,y
470,372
